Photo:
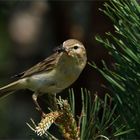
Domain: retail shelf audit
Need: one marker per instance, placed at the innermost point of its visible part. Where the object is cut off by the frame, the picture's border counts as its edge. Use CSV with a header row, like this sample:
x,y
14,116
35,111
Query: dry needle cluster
x,y
64,119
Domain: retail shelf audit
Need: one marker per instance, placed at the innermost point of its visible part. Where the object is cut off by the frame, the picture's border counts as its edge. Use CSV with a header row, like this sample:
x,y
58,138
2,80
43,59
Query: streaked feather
x,y
45,65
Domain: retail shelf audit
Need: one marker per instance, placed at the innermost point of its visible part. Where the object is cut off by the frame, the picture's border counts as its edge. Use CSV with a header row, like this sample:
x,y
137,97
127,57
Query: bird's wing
x,y
45,65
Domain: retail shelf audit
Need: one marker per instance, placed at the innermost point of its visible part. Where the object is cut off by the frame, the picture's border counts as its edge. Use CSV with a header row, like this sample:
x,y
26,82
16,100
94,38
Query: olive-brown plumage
x,y
53,74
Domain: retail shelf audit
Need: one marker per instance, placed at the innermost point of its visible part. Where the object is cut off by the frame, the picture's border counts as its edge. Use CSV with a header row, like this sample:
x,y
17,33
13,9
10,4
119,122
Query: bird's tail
x,y
10,88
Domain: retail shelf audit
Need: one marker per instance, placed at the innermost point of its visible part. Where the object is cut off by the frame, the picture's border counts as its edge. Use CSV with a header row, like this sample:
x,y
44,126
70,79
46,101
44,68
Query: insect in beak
x,y
60,49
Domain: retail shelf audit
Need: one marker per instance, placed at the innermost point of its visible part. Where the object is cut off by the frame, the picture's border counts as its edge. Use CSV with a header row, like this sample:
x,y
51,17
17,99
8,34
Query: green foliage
x,y
124,46
98,119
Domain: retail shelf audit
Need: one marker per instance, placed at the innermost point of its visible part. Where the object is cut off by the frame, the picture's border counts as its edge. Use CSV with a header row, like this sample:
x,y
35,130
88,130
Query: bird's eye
x,y
75,47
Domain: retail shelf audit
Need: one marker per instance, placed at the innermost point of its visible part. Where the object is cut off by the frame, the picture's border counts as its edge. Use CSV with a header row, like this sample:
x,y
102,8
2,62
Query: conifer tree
x,y
124,47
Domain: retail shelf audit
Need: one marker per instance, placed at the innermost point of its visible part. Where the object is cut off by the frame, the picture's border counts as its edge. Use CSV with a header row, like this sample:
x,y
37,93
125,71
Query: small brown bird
x,y
53,74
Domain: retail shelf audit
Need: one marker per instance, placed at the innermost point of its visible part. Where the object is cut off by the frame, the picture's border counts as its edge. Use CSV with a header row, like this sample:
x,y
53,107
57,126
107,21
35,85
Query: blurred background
x,y
29,30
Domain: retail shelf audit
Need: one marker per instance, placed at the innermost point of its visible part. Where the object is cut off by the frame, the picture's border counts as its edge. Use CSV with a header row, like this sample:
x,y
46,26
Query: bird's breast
x,y
54,81
68,75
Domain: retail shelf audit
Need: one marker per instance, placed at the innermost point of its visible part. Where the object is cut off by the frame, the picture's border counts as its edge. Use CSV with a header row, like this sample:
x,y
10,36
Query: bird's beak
x,y
60,49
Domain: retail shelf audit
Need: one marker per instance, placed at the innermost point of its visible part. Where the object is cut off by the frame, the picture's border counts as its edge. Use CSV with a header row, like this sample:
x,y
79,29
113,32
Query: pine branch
x,y
124,46
97,119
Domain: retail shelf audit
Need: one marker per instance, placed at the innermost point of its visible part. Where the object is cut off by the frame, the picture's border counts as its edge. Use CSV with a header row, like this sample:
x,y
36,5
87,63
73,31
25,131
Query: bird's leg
x,y
34,97
52,102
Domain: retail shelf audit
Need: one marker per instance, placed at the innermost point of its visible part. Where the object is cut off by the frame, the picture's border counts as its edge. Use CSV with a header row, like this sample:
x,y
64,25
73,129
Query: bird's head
x,y
75,49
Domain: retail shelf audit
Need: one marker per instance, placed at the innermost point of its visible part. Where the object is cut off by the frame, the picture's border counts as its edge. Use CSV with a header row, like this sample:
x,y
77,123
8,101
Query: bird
x,y
52,75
